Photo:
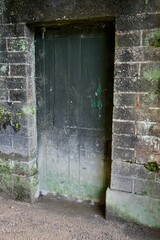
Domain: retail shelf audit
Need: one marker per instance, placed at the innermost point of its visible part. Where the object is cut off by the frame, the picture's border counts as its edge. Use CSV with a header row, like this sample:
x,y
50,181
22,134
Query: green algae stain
x,y
4,167
99,89
72,189
28,110
153,77
152,166
153,39
23,45
93,104
3,69
97,102
99,94
18,45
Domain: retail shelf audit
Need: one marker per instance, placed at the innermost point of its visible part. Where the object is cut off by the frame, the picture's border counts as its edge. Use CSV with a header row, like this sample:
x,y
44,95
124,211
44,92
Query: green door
x,y
74,75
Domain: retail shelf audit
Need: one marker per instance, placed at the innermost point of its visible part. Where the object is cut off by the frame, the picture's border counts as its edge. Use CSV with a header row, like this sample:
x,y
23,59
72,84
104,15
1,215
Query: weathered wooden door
x,y
74,75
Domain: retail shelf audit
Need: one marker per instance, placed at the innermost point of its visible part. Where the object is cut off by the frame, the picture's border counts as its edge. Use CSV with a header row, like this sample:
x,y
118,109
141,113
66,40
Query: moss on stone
x,y
23,44
14,156
17,187
18,44
14,186
28,110
152,39
4,167
12,117
153,76
19,168
152,166
3,69
138,208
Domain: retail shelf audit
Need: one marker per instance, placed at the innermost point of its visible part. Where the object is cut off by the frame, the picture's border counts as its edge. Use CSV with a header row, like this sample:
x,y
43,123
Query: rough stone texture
x,y
18,163
138,208
136,115
136,112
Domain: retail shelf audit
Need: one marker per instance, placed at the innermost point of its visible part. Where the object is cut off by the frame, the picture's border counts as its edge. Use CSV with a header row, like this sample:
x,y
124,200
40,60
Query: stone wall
x,y
136,118
135,179
18,163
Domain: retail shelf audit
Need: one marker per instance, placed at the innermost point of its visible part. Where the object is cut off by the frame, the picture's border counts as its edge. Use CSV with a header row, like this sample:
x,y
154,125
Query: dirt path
x,y
56,219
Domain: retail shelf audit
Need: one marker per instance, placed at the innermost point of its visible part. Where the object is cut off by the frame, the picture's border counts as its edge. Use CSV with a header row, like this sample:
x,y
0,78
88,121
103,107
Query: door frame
x,y
80,23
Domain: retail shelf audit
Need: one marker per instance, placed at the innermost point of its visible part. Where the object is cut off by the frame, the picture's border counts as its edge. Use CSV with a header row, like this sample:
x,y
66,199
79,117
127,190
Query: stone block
x,y
132,171
124,113
143,128
13,57
129,39
3,94
138,208
25,131
134,54
25,146
137,22
145,155
125,99
148,129
124,7
150,71
20,168
148,188
152,54
154,130
126,70
123,154
4,68
29,33
11,30
124,141
124,127
39,12
28,119
147,149
137,54
5,142
134,84
1,17
6,132
18,70
121,183
14,83
31,121
2,44
150,38
17,96
158,177
150,99
150,115
18,44
19,187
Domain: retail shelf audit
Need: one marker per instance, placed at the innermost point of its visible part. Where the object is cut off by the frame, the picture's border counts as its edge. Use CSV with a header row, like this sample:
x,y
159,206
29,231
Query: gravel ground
x,y
60,219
